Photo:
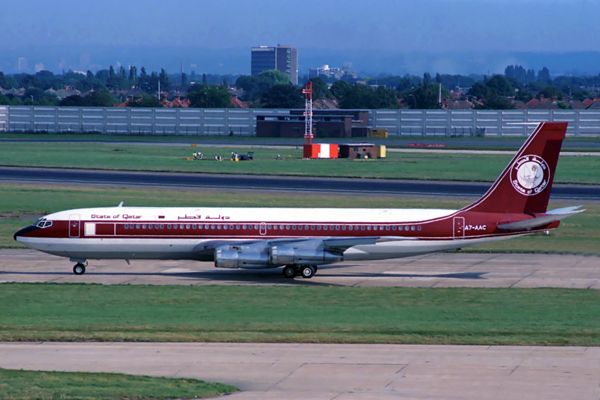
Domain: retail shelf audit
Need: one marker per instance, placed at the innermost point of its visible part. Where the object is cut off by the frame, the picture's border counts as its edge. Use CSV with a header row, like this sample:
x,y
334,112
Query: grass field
x,y
77,312
459,167
458,142
20,205
37,385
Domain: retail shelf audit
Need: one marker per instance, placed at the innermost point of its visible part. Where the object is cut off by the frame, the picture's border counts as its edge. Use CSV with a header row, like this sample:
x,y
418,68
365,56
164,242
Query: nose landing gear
x,y
79,268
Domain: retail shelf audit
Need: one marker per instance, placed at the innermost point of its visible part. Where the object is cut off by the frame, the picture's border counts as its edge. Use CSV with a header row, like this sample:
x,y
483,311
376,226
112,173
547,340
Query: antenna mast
x,y
308,113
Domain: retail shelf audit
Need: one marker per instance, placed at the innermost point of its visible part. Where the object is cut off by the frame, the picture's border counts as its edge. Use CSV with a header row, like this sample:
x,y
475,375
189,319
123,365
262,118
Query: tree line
x,y
272,89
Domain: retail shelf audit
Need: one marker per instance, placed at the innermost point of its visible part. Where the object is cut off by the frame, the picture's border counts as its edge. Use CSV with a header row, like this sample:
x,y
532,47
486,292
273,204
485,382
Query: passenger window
x,y
275,227
268,226
169,226
255,226
350,227
369,227
150,226
387,228
325,227
337,227
187,227
418,228
343,227
175,226
287,227
394,228
244,226
218,226
294,227
300,227
318,227
362,227
126,226
162,226
412,228
144,226
225,227
237,227
312,227
231,227
137,226
212,227
194,226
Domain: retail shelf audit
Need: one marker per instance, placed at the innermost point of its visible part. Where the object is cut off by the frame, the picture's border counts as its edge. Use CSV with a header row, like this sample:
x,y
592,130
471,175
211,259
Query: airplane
x,y
302,239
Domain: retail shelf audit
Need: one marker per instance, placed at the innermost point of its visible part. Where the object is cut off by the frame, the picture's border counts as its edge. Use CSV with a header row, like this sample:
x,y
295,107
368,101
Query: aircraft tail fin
x,y
524,185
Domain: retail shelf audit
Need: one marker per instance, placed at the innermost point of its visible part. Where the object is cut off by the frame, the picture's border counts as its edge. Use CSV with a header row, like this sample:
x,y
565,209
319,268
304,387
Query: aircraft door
x,y
263,228
459,227
74,225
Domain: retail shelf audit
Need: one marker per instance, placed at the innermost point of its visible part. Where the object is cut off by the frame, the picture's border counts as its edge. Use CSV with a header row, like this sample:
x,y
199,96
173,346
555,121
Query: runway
x,y
336,371
481,270
274,183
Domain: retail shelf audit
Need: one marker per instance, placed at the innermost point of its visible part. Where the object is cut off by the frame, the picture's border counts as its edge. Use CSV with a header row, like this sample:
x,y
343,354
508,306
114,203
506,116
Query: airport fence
x,y
242,122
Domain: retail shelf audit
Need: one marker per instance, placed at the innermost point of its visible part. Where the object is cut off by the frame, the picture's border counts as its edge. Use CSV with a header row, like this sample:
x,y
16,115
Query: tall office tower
x,y
22,64
282,58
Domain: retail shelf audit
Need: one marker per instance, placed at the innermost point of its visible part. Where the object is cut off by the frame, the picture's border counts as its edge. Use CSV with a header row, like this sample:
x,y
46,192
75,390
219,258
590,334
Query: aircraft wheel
x,y
308,272
79,269
289,272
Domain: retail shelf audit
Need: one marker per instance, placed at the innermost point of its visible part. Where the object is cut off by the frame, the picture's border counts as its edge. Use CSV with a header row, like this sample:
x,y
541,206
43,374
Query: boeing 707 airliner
x,y
302,239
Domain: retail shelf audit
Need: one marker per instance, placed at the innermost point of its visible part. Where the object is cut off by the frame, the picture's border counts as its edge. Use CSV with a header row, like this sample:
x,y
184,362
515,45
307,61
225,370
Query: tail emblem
x,y
530,175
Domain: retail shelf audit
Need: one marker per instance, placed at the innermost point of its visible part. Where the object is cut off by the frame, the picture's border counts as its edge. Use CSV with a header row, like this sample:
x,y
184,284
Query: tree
x,y
319,88
145,101
274,77
478,90
209,96
544,76
339,89
424,96
133,75
500,85
550,92
163,78
493,101
283,96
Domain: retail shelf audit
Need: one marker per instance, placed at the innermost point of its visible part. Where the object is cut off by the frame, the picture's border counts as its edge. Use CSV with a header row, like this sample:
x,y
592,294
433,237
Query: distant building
x,y
39,67
281,58
328,72
22,64
325,71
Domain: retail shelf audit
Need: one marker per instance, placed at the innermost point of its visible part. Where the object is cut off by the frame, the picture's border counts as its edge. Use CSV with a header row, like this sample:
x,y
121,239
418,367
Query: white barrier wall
x,y
3,118
197,121
472,122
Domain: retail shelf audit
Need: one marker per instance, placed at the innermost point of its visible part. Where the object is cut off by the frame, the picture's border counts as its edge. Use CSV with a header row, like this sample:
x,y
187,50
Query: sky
x,y
396,36
399,25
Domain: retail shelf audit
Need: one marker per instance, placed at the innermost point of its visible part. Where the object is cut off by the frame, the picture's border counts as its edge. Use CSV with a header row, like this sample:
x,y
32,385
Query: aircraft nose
x,y
24,232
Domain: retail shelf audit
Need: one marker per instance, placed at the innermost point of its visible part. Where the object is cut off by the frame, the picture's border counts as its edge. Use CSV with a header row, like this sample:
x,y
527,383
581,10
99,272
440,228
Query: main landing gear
x,y
306,271
79,268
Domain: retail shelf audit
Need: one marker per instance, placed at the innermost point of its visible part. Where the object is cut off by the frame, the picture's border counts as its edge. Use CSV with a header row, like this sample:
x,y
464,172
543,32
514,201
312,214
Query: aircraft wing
x,y
550,216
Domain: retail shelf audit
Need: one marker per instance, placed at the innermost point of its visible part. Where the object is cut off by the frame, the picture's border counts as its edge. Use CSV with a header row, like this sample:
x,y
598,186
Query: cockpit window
x,y
42,223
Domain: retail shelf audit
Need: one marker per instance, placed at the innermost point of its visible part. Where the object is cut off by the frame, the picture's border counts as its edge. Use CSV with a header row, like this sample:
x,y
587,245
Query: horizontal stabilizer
x,y
549,217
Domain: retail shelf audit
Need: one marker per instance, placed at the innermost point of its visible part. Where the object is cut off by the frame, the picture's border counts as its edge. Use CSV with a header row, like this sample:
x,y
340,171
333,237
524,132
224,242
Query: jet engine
x,y
238,257
287,255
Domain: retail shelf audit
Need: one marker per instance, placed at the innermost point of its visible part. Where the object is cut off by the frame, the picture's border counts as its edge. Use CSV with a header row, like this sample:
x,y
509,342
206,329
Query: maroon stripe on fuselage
x,y
476,225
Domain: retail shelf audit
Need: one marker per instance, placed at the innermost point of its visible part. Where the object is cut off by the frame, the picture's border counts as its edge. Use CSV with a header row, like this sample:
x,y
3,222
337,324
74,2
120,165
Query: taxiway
x,y
431,270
